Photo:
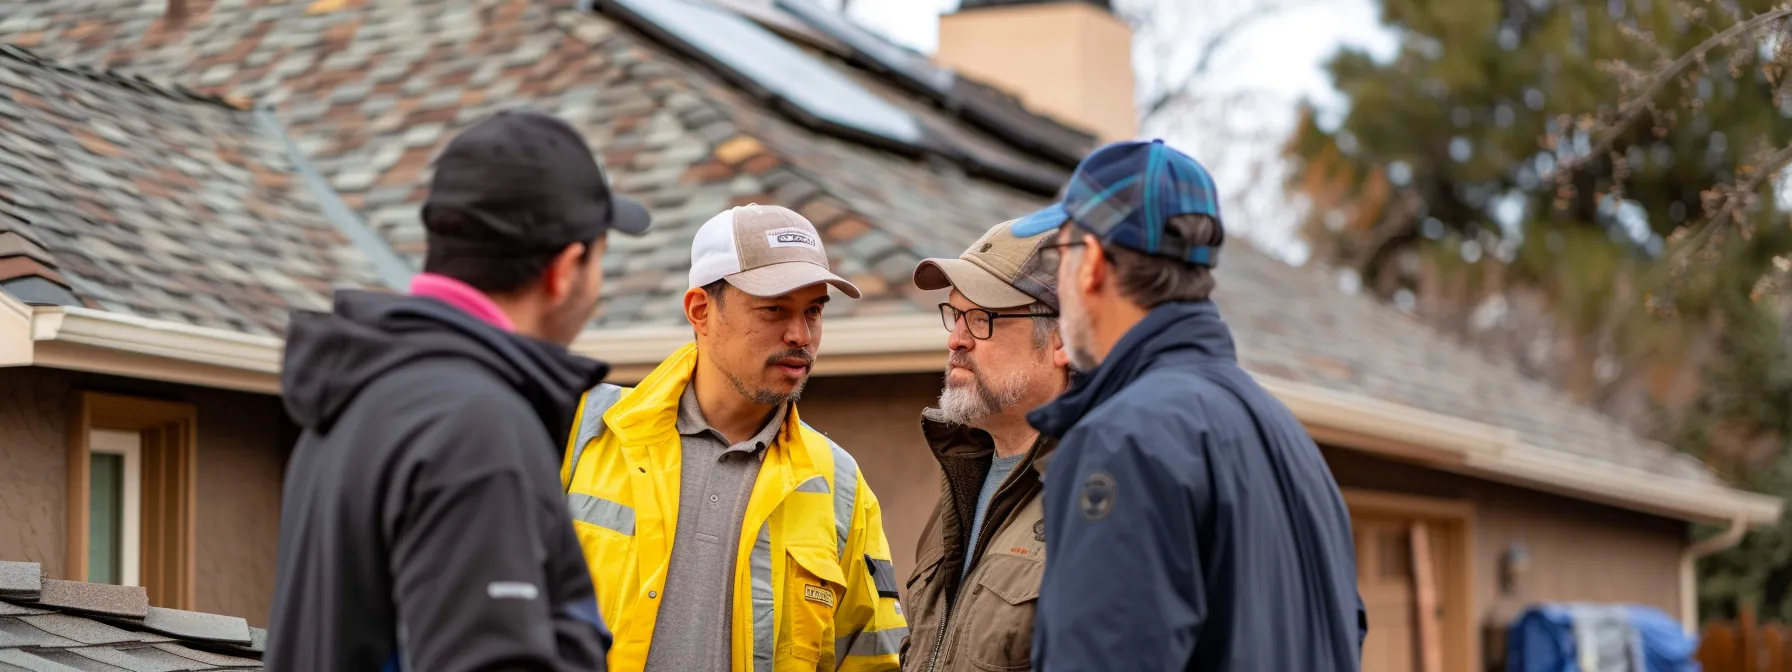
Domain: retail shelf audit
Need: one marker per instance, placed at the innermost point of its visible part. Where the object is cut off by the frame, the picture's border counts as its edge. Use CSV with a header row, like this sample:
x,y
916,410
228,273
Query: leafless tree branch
x,y
1177,87
1633,110
1738,198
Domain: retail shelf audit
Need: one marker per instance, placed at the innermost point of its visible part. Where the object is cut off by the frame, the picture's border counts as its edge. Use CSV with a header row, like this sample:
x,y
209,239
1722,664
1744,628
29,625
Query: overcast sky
x,y
1282,55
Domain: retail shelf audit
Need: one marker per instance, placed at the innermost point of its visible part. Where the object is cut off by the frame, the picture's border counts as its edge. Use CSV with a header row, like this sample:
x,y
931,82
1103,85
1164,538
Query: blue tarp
x,y
1542,639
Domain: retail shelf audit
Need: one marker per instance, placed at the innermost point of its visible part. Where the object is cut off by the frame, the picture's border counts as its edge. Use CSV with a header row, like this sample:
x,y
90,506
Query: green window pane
x,y
105,522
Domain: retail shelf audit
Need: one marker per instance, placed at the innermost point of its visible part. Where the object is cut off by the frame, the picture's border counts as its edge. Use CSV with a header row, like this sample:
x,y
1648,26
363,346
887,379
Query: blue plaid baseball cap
x,y
1125,192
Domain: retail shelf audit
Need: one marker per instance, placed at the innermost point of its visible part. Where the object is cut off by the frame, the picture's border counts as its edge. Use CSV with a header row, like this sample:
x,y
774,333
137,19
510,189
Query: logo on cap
x,y
791,236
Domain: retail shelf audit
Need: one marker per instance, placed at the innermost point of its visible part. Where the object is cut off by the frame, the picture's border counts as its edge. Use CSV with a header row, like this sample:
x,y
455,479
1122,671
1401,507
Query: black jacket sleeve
x,y
470,556
470,581
1122,590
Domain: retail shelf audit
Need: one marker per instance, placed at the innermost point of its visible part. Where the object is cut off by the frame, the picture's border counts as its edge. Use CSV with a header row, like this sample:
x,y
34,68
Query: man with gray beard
x,y
970,600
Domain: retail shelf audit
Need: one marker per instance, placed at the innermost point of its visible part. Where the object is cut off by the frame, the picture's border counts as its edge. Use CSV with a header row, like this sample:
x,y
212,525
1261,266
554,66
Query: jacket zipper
x,y
939,639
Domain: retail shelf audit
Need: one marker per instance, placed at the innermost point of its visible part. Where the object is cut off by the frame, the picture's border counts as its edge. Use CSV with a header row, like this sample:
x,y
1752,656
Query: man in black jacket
x,y
422,523
1193,525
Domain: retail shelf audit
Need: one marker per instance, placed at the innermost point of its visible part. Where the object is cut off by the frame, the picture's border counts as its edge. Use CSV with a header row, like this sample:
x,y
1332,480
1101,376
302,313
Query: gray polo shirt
x,y
695,627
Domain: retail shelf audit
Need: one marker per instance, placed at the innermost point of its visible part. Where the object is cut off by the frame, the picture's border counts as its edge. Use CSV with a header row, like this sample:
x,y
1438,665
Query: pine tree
x,y
1586,186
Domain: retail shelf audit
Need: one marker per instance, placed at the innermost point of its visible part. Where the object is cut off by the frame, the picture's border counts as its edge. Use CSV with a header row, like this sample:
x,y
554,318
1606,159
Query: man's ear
x,y
1060,356
564,271
1094,271
698,309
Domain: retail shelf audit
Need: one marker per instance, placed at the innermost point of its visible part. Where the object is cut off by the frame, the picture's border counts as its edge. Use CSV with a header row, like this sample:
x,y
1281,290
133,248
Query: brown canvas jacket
x,y
987,617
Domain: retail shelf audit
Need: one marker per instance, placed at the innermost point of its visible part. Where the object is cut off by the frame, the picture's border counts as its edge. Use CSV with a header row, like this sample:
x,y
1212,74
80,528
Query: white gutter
x,y
83,339
1689,577
91,340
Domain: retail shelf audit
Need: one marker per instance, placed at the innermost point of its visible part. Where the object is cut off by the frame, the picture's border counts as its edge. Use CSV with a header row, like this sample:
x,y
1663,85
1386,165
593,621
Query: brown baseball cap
x,y
1000,270
763,250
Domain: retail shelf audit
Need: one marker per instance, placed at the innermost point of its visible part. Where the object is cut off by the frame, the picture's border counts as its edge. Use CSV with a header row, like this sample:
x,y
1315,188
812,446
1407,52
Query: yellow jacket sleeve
x,y
869,626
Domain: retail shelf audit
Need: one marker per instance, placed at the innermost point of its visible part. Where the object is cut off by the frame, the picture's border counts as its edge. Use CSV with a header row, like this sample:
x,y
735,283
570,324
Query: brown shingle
x,y
22,266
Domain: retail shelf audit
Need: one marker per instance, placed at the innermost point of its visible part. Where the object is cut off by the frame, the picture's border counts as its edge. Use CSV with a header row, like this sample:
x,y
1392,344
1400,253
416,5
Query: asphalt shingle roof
x,y
69,635
373,88
121,194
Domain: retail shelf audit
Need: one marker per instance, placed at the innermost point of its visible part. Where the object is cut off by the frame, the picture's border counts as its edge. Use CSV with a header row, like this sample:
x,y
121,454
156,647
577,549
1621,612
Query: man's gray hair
x,y
1043,327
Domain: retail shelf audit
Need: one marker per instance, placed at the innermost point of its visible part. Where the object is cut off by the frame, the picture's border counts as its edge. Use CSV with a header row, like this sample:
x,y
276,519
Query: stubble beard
x,y
767,396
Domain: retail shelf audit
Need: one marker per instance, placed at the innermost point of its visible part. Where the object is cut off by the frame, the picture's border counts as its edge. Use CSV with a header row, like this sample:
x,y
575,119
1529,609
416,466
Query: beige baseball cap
x,y
998,271
763,250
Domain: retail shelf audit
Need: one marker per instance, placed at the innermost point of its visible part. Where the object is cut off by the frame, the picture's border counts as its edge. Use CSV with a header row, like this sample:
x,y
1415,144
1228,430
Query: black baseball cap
x,y
523,182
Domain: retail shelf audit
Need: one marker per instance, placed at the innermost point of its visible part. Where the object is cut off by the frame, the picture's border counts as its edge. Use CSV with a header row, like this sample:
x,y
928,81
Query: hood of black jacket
x,y
331,357
1193,329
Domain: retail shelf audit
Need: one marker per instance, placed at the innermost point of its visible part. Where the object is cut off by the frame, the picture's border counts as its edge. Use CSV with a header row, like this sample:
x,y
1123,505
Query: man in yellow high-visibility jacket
x,y
724,535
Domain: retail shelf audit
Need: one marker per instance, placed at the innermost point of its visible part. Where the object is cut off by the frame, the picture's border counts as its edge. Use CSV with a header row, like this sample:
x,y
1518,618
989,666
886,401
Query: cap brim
x,y
628,215
980,286
1051,217
786,277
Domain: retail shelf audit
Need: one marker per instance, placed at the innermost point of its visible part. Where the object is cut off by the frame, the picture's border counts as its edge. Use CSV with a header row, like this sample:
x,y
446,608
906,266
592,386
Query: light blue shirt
x,y
999,468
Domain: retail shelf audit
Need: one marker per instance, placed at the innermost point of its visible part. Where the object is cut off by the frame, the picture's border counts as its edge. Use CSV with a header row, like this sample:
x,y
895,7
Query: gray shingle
x,y
21,579
9,609
143,659
15,633
198,626
26,661
87,631
96,598
209,658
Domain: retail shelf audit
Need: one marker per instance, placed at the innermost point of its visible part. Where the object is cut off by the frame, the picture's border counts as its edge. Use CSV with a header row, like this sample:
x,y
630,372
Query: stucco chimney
x,y
1071,59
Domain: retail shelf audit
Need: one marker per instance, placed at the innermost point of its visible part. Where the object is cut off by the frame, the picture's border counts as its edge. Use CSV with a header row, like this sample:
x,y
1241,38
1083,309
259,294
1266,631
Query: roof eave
x,y
101,342
96,341
1496,454
909,344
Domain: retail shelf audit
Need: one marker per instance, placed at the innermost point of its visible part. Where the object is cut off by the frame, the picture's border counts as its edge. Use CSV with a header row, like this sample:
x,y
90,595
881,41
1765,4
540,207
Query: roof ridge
x,y
139,83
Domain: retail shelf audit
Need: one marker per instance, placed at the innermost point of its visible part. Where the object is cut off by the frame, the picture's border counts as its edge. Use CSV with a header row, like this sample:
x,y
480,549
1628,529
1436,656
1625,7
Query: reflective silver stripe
x,y
602,513
591,422
760,564
846,492
878,643
404,646
814,484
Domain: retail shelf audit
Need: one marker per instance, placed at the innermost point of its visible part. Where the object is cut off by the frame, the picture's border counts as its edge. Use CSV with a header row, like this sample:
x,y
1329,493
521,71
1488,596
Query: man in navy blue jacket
x,y
1193,524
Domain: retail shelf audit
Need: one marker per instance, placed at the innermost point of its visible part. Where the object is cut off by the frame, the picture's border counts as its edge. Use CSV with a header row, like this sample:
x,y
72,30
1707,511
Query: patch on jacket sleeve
x,y
818,595
884,575
1097,498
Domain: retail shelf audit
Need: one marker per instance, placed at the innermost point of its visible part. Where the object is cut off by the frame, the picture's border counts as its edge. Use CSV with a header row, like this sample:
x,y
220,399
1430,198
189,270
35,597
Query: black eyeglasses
x,y
980,322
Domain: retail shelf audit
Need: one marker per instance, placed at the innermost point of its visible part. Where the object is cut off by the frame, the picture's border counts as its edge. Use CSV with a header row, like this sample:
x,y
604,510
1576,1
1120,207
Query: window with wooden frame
x,y
131,495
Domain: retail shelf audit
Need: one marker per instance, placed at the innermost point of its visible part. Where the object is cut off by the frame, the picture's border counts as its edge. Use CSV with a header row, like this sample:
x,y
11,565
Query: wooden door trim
x,y
1457,559
1412,506
170,496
